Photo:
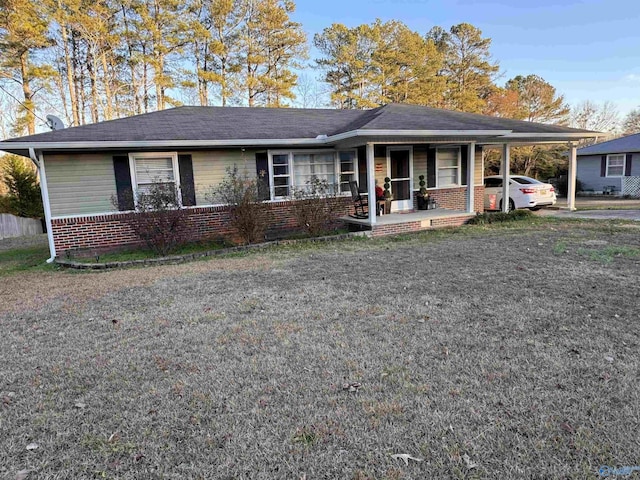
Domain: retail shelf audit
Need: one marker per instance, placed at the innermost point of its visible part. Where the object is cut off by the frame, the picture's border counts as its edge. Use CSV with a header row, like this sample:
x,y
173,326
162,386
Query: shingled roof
x,y
628,144
229,124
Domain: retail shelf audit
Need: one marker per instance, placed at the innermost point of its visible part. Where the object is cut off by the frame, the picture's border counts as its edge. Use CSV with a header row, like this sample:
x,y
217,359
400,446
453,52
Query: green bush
x,y
4,204
23,189
500,217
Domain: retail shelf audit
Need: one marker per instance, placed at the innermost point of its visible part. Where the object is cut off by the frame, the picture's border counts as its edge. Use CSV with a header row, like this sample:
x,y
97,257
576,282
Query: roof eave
x,y
491,136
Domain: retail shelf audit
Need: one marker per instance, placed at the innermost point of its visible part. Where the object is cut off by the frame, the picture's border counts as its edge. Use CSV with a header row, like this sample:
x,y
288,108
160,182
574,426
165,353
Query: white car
x,y
524,192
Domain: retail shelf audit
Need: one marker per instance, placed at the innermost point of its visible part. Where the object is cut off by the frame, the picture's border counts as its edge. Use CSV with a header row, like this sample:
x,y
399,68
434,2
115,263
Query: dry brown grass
x,y
505,354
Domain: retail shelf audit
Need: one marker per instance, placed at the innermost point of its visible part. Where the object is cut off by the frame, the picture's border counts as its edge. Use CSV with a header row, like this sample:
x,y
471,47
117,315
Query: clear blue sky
x,y
588,50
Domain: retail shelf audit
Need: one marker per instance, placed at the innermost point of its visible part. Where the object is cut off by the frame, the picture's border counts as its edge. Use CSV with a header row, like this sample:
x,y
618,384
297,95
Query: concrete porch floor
x,y
415,219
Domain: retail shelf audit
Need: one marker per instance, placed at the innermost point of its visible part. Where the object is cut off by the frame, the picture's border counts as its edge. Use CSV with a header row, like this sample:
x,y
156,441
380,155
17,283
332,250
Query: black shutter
x,y
603,166
431,168
262,172
627,165
187,185
123,182
464,164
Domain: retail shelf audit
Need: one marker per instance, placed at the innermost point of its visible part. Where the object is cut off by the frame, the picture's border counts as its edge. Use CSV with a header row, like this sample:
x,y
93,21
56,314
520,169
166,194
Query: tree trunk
x,y
70,69
27,93
108,108
93,84
132,69
77,82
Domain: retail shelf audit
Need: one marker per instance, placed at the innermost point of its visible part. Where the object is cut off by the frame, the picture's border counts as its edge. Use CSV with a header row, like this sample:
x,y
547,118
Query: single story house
x,y
611,167
82,169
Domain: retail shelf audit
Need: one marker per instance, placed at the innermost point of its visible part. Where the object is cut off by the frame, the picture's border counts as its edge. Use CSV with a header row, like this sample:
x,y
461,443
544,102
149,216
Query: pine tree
x,y
272,46
468,68
216,46
23,33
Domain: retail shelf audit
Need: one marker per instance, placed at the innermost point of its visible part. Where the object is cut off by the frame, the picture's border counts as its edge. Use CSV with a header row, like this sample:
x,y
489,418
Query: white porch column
x,y
471,178
371,181
506,168
571,177
44,191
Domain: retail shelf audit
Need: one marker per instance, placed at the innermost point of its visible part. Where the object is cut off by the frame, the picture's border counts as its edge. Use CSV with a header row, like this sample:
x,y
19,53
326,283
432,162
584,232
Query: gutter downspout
x,y
44,190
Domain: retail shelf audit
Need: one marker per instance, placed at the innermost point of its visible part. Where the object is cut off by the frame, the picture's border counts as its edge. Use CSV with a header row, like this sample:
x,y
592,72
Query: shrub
x,y
562,185
500,217
159,220
242,195
23,190
315,207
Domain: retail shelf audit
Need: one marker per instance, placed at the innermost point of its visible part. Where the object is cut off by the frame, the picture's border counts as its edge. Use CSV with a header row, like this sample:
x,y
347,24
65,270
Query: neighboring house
x,y
83,168
611,167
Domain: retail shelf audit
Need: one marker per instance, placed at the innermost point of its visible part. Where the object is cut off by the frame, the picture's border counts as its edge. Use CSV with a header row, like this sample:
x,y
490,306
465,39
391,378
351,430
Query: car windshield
x,y
525,180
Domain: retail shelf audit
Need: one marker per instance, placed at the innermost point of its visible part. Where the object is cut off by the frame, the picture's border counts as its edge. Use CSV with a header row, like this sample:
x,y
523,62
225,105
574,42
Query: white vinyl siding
x,y
615,165
210,169
448,167
80,184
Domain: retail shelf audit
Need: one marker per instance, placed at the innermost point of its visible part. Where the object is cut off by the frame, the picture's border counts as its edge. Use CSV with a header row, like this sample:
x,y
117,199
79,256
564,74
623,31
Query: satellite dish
x,y
54,122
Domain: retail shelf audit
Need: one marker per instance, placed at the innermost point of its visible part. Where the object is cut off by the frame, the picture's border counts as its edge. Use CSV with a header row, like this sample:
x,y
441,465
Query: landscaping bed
x,y
497,351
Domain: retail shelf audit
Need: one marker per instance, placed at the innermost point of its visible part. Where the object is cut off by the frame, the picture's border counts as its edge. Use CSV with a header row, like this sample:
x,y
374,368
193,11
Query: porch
x,y
410,221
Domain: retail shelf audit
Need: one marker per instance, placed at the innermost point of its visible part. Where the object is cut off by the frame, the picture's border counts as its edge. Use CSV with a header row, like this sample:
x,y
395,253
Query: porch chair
x,y
360,203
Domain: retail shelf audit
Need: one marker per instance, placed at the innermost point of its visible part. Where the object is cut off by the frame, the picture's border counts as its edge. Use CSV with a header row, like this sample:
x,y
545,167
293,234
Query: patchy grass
x,y
608,253
21,259
485,352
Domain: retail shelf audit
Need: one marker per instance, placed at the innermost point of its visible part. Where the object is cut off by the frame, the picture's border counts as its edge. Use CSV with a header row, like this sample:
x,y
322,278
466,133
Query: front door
x,y
400,172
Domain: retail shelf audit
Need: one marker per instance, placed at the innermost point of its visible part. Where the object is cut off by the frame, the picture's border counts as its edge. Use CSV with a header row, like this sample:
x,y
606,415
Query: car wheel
x,y
512,205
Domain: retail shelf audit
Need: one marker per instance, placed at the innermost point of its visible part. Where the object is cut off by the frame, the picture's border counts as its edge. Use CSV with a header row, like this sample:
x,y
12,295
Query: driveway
x,y
600,207
595,214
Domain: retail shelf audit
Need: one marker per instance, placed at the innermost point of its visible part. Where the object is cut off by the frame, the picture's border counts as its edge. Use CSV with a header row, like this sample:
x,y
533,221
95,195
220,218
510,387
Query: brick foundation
x,y
111,232
408,227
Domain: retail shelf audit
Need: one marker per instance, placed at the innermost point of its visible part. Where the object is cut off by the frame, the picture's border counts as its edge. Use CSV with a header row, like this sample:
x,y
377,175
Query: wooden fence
x,y
12,226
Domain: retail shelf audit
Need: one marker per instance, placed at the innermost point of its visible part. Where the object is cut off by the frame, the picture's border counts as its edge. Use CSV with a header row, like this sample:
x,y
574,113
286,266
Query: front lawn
x,y
502,351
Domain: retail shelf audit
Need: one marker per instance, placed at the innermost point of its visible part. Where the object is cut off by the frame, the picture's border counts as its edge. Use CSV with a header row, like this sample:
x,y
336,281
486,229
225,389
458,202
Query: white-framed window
x,y
292,170
448,167
348,169
615,165
149,168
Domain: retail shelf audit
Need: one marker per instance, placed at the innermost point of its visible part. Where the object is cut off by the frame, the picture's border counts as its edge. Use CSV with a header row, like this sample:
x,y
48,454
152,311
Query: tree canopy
x,y
92,61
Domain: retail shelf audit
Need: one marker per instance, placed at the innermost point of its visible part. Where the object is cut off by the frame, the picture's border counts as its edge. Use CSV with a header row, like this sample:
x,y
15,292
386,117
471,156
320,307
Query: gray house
x,y
611,167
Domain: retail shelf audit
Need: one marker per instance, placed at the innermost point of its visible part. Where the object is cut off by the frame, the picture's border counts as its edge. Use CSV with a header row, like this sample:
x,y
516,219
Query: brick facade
x,y
110,232
455,198
408,227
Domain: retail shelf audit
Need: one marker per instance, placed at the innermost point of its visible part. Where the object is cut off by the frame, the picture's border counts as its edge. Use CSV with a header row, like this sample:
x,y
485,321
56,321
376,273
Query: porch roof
x,y
218,127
